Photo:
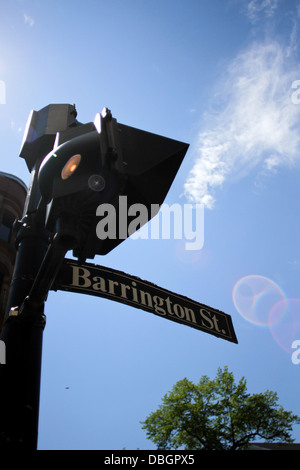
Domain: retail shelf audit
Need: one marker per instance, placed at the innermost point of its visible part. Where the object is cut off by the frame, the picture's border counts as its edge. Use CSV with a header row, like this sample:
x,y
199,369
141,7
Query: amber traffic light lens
x,y
70,166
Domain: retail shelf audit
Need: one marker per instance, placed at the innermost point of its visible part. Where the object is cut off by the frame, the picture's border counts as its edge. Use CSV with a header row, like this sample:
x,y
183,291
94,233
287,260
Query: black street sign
x,y
115,285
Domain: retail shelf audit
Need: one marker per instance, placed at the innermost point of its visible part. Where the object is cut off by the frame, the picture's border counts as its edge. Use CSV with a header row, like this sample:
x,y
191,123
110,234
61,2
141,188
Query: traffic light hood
x,y
96,163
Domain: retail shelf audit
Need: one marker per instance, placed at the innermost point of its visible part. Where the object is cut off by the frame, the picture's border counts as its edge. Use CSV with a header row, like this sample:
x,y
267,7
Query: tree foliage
x,y
217,414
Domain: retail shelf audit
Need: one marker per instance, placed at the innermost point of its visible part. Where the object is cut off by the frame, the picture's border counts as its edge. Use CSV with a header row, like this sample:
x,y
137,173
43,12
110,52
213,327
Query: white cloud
x,y
256,8
257,126
28,20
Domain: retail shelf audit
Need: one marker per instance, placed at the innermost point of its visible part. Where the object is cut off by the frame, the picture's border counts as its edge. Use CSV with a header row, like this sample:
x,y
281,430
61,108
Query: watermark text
x,y
296,353
296,93
2,92
165,222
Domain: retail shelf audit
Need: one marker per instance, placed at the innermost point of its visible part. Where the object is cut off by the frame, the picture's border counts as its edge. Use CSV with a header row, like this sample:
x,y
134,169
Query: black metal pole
x,y
22,334
37,263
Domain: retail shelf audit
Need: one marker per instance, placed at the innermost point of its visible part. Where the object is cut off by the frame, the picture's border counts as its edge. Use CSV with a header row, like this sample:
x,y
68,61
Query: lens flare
x,y
96,183
254,296
285,323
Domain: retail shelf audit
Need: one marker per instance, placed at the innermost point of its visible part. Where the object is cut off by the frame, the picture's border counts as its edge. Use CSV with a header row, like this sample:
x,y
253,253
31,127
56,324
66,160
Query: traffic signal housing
x,y
96,163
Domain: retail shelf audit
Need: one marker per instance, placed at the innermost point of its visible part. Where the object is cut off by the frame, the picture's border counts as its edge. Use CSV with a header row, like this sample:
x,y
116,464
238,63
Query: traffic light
x,y
96,163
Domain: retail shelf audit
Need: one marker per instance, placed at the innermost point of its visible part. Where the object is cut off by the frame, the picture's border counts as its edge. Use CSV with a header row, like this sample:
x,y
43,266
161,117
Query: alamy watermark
x,y
296,353
176,221
296,93
2,352
2,92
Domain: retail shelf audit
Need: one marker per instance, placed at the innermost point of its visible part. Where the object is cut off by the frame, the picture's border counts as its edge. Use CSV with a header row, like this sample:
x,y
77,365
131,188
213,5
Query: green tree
x,y
217,414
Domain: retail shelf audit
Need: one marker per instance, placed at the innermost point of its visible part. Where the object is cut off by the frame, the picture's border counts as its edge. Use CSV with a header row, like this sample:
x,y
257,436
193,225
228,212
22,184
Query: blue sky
x,y
218,75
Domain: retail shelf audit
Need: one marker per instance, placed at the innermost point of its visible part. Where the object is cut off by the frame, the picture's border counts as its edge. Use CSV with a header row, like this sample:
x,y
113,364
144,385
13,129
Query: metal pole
x,y
37,263
23,336
35,267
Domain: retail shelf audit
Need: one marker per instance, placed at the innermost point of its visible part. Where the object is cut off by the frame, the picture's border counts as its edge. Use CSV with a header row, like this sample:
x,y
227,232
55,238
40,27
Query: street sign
x,y
115,285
